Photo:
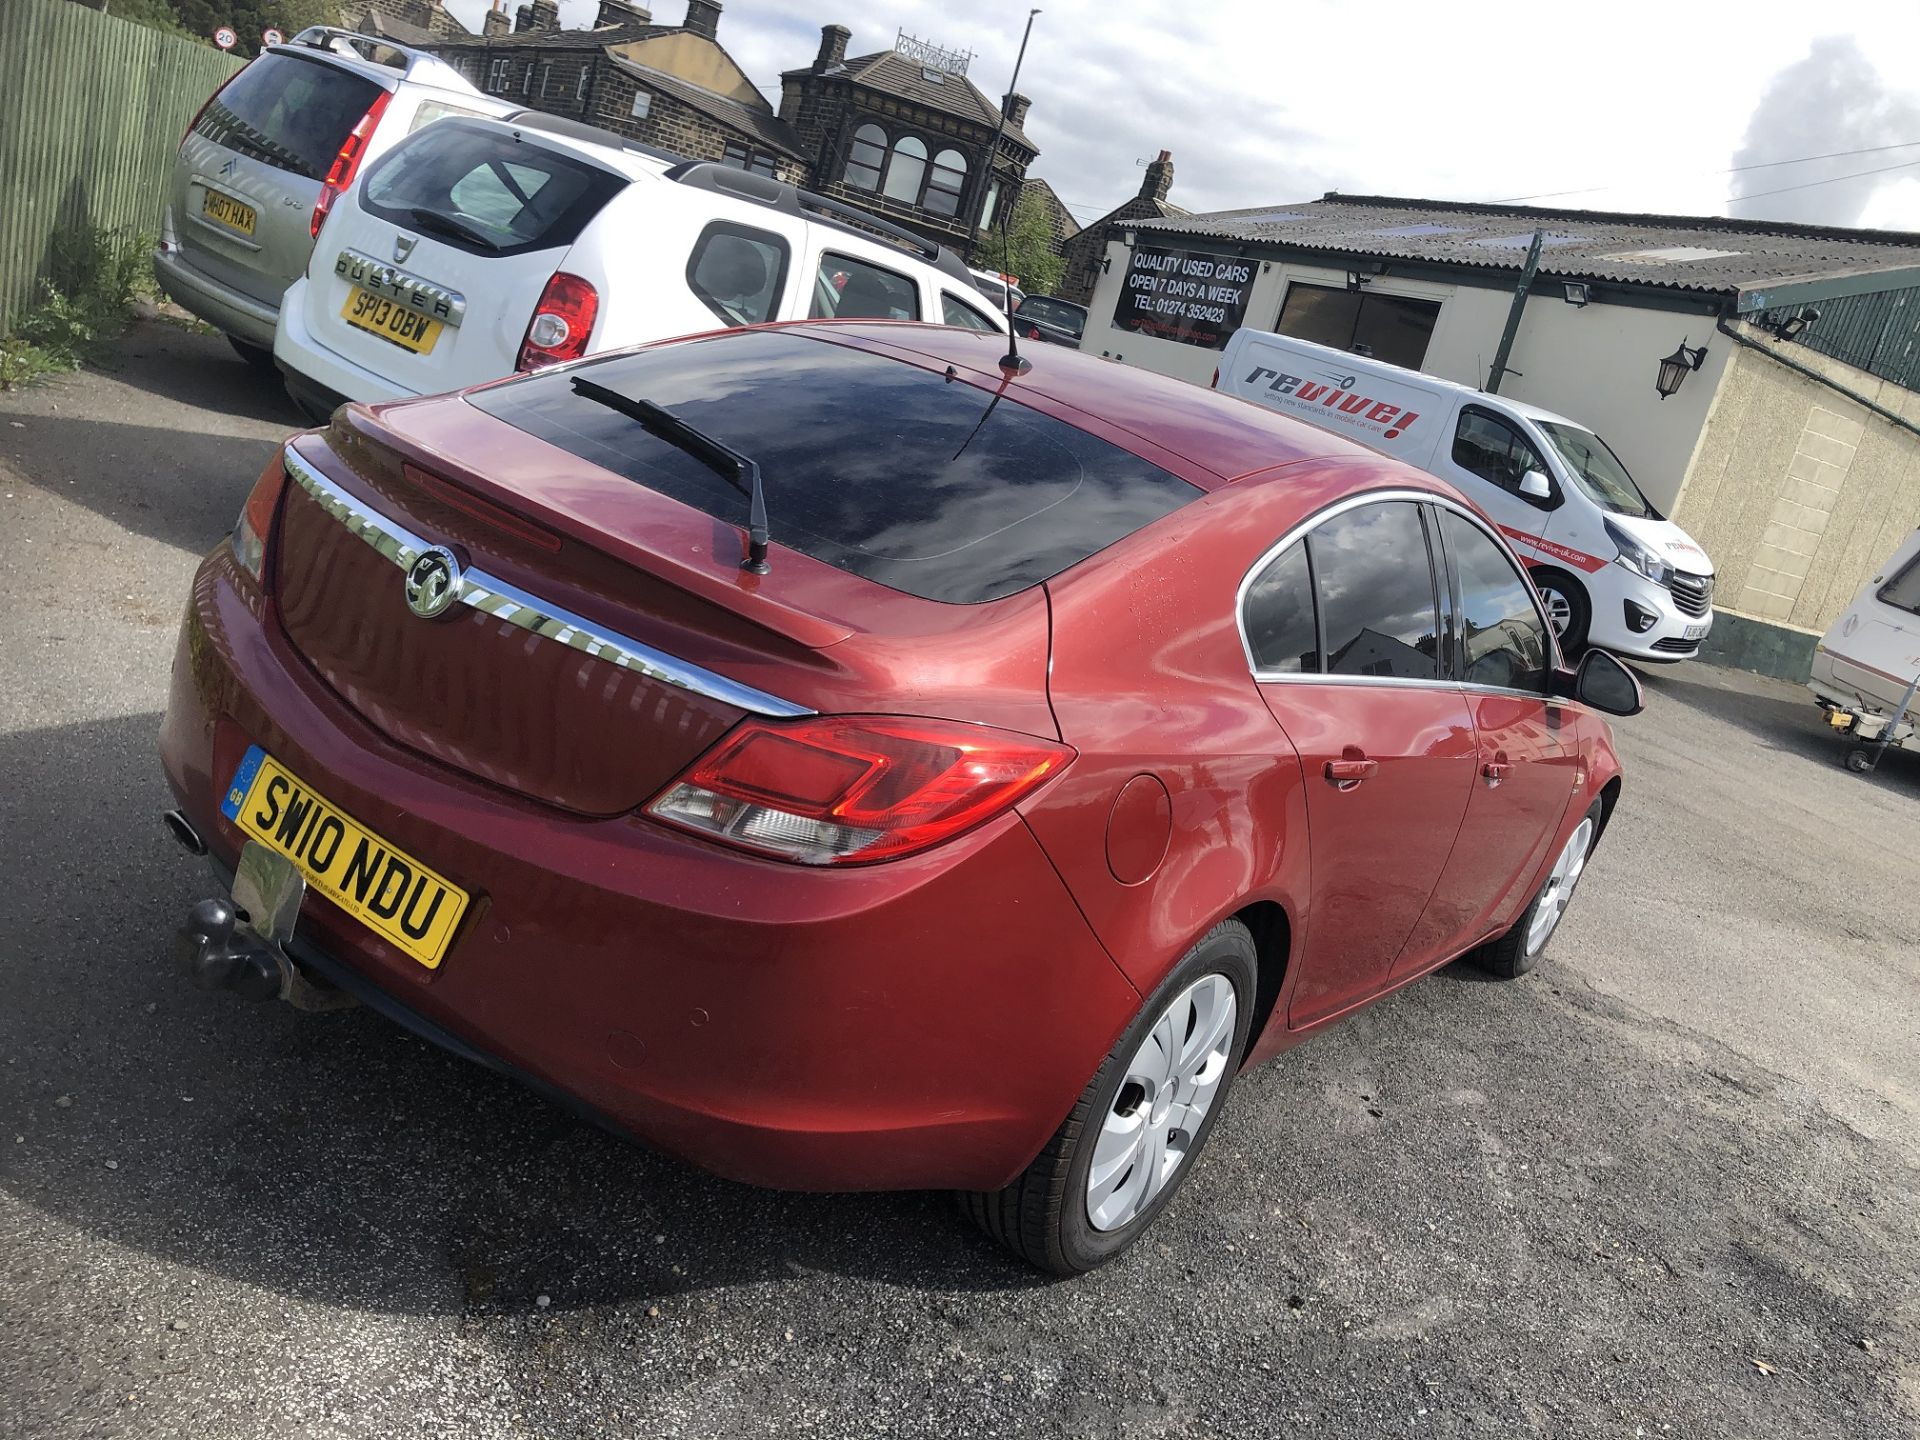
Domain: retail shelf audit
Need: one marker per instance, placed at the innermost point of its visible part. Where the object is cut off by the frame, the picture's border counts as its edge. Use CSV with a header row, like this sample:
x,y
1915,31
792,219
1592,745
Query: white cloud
x,y
1261,103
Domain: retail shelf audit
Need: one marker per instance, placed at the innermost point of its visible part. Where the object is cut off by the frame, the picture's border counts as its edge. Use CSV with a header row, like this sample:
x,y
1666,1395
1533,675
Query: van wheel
x,y
1567,608
261,360
1138,1127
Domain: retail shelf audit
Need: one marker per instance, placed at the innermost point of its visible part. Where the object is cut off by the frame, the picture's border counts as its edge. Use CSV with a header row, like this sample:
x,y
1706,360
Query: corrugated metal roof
x,y
1681,252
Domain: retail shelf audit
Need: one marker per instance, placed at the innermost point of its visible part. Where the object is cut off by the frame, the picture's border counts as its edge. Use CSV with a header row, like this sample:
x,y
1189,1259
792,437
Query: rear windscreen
x,y
292,113
883,469
480,188
1066,315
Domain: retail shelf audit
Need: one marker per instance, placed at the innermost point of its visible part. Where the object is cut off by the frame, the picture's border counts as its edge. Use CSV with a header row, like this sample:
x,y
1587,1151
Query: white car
x,y
1613,571
482,247
994,286
268,155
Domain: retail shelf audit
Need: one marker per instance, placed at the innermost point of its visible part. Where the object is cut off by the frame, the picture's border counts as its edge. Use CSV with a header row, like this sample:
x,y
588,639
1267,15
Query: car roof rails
x,y
375,50
778,195
550,124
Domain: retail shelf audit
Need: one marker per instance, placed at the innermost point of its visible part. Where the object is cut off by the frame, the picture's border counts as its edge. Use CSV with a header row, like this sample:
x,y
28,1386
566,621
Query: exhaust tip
x,y
182,830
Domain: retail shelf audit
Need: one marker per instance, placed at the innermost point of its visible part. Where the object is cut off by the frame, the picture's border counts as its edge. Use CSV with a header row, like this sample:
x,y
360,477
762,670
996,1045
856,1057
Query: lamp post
x,y
999,129
1677,366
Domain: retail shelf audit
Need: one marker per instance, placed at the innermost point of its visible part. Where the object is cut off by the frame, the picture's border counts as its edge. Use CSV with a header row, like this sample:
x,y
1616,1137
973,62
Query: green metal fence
x,y
91,112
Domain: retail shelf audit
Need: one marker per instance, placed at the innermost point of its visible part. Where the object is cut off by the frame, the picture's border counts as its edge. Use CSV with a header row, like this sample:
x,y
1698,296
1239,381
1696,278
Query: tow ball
x,y
239,943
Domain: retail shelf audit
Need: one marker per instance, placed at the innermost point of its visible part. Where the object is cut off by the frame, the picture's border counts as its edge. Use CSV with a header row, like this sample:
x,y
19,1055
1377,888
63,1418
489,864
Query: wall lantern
x,y
1577,293
1676,367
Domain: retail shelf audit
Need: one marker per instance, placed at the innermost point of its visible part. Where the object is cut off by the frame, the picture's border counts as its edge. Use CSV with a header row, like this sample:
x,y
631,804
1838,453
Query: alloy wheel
x,y
1170,1084
1559,610
1559,888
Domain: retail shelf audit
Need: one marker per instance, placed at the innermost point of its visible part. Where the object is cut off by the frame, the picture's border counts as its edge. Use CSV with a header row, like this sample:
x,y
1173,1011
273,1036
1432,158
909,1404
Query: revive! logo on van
x,y
1341,398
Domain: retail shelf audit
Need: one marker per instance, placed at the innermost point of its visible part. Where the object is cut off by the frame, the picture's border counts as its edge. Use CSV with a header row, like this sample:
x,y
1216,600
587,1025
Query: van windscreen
x,y
480,187
881,468
1597,470
289,112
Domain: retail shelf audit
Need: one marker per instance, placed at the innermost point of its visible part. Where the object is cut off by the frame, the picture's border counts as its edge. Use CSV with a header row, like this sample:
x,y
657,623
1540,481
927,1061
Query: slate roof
x,y
894,74
557,39
769,129
385,27
1683,252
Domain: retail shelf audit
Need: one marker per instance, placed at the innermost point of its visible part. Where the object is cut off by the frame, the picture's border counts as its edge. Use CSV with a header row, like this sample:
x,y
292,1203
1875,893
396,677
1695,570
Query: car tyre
x,y
1568,608
1047,1215
1519,950
261,360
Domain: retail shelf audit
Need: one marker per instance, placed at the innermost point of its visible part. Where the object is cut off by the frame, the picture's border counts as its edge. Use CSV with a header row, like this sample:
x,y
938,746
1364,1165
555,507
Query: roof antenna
x,y
1013,362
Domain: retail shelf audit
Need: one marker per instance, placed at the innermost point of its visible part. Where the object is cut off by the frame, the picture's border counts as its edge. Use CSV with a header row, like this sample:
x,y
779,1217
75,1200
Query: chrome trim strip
x,y
493,596
1313,522
402,287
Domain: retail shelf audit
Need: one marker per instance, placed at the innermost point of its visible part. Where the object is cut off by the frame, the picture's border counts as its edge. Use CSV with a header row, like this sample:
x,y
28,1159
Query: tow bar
x,y
239,944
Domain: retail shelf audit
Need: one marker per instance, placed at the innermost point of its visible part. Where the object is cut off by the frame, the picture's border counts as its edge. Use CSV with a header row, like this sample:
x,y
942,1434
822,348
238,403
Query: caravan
x,y
1612,570
1864,668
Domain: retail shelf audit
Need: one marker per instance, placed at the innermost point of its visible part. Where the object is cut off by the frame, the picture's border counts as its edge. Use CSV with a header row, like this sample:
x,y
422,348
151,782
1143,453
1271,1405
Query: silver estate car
x,y
269,153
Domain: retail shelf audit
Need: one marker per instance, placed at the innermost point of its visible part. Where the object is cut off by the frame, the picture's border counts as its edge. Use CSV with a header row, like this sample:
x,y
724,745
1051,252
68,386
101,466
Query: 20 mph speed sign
x,y
225,38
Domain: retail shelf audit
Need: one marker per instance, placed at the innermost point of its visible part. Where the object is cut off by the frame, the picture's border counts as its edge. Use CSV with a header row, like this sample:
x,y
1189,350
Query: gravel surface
x,y
1664,1186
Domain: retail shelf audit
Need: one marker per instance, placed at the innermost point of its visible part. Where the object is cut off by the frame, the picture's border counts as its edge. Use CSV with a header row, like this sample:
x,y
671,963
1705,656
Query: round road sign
x,y
225,38
270,36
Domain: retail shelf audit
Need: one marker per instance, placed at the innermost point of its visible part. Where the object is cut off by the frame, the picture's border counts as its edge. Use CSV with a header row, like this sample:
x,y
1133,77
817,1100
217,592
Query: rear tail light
x,y
255,524
562,323
849,789
346,164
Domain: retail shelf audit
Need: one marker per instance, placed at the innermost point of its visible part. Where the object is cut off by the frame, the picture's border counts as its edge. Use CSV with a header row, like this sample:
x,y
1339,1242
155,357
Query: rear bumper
x,y
919,1024
311,369
192,289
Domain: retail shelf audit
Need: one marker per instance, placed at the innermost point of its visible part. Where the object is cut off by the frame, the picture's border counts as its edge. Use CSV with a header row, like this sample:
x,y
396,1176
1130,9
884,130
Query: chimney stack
x,y
703,17
1015,108
620,12
833,47
495,21
546,15
1159,179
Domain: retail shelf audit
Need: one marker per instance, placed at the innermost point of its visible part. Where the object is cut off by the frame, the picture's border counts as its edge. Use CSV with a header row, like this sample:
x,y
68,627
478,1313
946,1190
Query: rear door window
x,y
738,273
1282,636
957,312
476,187
883,469
850,289
1378,605
289,112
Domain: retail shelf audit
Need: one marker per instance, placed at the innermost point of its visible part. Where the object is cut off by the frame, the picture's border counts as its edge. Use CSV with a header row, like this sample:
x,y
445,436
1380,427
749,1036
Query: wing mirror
x,y
1535,485
1603,683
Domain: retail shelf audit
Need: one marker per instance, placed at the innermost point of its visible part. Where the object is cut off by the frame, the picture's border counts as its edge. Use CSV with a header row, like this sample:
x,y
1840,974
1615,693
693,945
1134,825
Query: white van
x,y
1864,664
1612,570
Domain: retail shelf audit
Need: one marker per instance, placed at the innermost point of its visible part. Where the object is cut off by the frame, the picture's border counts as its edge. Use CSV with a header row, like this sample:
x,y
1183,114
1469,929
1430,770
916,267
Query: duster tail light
x,y
346,164
255,524
850,789
562,323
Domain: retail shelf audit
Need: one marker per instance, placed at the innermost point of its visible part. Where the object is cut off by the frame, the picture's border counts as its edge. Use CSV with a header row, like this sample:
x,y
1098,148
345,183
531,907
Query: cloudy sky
x,y
1631,106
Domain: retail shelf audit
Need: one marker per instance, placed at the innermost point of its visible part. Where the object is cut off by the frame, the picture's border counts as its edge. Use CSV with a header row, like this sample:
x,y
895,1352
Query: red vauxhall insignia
x,y
849,763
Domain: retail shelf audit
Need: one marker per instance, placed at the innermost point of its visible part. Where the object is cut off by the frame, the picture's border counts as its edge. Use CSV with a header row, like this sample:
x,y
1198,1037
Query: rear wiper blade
x,y
716,455
426,219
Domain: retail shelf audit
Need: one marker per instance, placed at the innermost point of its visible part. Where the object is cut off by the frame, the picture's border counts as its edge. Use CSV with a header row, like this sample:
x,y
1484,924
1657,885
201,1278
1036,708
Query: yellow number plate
x,y
377,883
234,214
388,319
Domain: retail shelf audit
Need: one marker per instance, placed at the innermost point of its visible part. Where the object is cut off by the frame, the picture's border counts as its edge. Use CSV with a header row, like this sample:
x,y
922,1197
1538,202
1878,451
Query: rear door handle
x,y
1345,774
1494,771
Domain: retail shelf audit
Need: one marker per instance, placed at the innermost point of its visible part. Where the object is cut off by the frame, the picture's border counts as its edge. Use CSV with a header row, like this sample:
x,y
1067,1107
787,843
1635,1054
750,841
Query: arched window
x,y
945,182
906,170
865,156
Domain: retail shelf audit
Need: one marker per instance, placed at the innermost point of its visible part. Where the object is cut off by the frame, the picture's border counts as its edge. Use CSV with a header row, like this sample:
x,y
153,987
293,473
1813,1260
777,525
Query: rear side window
x,y
289,112
883,469
1278,613
738,273
1903,590
1378,606
850,289
476,187
1505,638
958,312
